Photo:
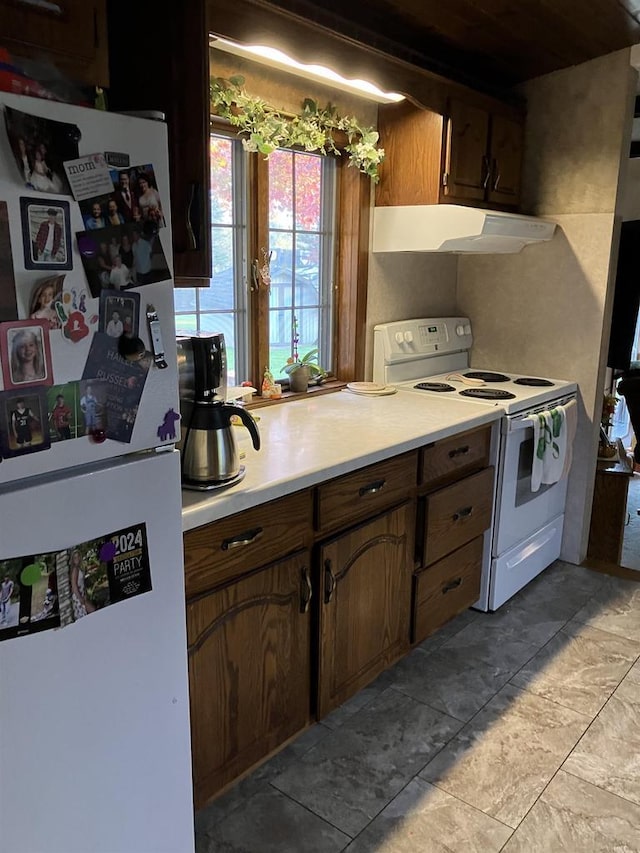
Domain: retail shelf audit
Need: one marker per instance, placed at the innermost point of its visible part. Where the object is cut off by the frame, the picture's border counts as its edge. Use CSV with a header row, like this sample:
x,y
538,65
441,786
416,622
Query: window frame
x,y
350,265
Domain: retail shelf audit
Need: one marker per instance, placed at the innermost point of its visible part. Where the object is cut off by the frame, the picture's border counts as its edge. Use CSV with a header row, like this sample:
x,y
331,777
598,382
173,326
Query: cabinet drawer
x,y
457,514
455,457
363,493
446,588
233,546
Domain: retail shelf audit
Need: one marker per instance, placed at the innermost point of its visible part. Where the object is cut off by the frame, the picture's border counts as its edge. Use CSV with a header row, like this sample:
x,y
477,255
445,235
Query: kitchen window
x,y
294,221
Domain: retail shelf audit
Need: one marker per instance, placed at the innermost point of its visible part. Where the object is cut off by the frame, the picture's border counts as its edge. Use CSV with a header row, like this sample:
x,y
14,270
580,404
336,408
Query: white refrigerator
x,y
94,712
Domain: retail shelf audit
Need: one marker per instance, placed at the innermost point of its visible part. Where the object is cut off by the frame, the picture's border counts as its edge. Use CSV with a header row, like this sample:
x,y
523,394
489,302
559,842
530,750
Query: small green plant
x,y
309,360
267,128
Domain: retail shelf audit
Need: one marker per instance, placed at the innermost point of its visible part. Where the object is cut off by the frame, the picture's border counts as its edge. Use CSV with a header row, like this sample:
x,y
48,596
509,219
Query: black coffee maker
x,y
209,451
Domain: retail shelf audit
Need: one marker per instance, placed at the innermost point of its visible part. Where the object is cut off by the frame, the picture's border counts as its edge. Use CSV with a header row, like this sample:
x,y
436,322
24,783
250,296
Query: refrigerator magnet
x,y
46,234
26,353
24,424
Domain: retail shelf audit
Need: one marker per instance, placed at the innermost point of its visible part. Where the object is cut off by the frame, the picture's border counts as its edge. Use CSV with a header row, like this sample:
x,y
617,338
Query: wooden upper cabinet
x,y
506,160
72,35
466,170
175,80
482,157
412,141
471,156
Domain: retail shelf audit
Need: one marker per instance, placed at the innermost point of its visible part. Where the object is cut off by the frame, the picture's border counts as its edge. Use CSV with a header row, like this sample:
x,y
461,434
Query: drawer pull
x,y
465,512
329,581
245,538
451,585
459,451
307,591
372,488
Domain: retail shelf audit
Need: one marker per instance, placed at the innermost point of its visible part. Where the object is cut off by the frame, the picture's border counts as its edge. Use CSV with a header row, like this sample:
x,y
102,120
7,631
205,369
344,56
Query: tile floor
x,y
631,543
517,731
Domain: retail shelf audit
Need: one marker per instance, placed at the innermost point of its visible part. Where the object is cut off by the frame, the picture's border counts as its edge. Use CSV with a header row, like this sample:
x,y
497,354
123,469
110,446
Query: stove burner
x,y
487,376
434,386
487,393
531,380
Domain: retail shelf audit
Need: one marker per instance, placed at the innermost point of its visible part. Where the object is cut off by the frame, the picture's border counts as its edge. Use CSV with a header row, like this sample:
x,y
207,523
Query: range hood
x,y
454,228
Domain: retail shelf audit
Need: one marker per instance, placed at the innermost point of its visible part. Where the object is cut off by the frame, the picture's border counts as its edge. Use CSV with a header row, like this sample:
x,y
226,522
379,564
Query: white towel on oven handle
x,y
553,434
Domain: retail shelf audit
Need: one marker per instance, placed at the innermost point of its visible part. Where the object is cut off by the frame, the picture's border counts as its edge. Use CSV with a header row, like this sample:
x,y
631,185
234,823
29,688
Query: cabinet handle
x,y
372,488
459,451
193,216
465,512
487,170
307,591
451,585
245,538
497,173
329,581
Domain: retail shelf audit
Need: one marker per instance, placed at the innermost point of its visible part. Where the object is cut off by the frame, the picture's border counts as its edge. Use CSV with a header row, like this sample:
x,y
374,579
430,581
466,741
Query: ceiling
x,y
489,44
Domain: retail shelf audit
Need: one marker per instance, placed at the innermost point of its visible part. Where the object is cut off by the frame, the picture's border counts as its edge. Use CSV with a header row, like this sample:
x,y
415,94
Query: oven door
x,y
519,511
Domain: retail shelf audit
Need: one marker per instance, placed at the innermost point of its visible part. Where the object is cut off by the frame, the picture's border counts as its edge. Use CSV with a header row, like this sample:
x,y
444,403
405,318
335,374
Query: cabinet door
x,y
70,33
176,81
249,678
506,160
365,604
466,155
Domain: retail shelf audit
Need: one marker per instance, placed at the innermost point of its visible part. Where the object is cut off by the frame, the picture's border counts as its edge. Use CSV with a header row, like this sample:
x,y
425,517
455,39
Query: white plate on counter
x,y
370,389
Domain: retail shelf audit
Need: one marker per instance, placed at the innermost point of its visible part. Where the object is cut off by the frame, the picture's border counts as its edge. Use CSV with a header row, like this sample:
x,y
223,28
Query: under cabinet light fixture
x,y
277,59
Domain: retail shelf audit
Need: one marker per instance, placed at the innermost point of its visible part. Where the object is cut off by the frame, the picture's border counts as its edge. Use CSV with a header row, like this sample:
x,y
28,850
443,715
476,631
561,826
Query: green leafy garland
x,y
312,130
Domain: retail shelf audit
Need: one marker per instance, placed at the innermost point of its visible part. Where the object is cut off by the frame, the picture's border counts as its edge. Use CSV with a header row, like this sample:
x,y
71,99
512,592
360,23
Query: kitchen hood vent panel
x,y
456,229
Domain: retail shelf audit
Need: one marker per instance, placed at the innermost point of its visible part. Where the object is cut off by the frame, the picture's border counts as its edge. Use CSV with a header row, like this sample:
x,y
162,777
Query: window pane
x,y
281,246
186,324
280,339
221,181
307,289
184,298
308,192
308,329
281,189
220,294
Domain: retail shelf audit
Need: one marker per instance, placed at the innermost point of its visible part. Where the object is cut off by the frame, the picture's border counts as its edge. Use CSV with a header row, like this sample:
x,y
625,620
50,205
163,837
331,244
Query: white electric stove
x,y
431,357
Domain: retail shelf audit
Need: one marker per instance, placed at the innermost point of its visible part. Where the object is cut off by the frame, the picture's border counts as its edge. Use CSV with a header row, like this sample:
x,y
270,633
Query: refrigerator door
x,y
94,717
143,142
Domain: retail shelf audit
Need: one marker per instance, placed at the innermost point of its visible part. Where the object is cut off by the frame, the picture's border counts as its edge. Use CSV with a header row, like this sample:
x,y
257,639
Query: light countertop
x,y
320,437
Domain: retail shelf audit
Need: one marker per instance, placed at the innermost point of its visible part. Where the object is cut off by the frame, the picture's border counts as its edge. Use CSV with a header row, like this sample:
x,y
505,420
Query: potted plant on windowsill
x,y
301,370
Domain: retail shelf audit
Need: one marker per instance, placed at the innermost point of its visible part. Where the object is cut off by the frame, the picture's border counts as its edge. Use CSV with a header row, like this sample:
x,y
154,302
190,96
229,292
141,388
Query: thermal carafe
x,y
210,457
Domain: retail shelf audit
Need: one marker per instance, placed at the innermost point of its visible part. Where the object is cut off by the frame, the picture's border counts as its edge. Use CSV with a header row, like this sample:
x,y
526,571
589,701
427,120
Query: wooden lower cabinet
x,y
365,598
249,670
446,588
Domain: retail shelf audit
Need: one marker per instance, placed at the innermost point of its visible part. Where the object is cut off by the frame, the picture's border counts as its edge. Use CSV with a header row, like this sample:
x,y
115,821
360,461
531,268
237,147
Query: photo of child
x,y
46,234
23,422
46,293
119,313
9,593
63,411
26,353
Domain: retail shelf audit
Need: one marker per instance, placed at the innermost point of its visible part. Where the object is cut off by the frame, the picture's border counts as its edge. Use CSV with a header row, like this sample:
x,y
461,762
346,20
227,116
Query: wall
x,y
408,285
547,310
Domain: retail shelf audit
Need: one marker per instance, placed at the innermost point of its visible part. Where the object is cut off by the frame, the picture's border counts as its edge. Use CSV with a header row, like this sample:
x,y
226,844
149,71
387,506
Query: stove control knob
x,y
399,338
467,329
460,330
408,336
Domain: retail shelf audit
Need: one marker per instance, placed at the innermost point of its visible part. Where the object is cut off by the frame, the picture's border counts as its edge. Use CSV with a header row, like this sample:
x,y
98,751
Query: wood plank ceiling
x,y
491,44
